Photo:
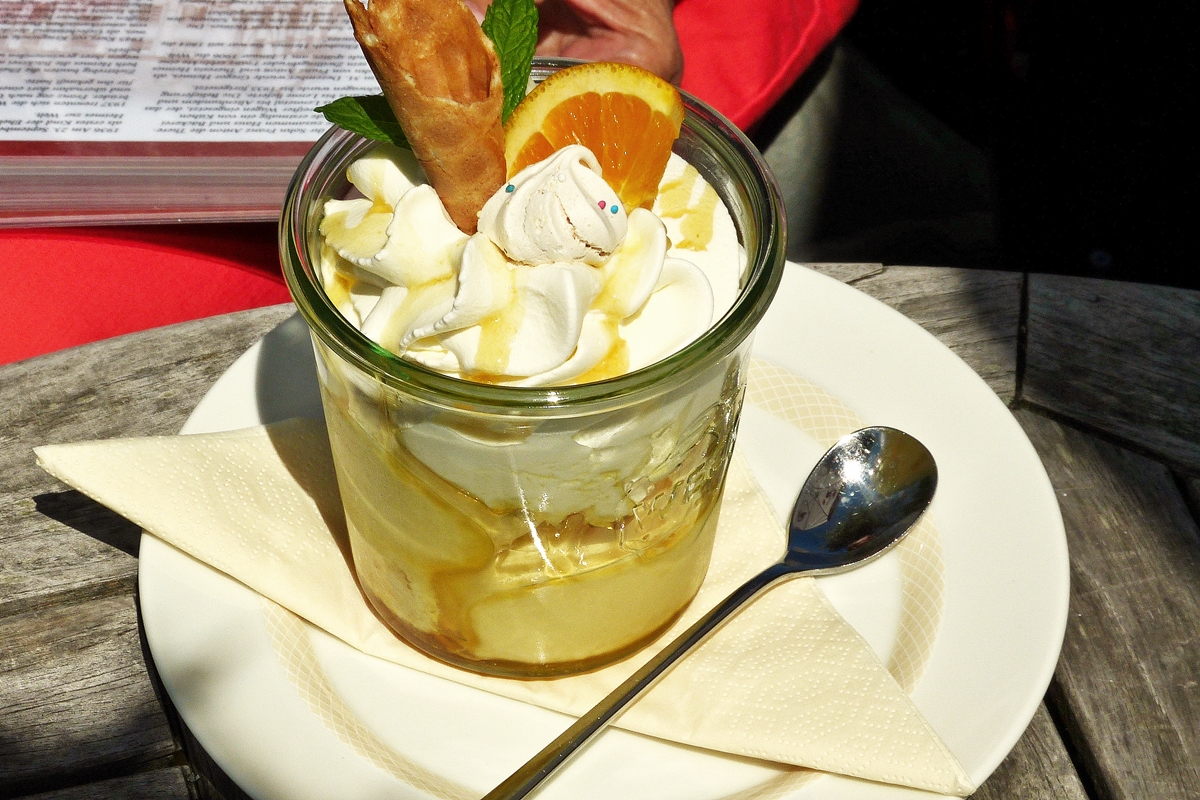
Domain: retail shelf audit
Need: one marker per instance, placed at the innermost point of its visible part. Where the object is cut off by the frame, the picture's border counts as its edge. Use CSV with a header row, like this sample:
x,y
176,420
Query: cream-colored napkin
x,y
787,680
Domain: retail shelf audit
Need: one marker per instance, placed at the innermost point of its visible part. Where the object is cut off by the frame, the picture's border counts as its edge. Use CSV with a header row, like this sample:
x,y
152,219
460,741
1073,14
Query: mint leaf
x,y
512,26
368,115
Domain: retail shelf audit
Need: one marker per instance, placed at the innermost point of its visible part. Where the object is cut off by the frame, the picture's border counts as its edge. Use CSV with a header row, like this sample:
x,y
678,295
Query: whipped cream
x,y
561,284
559,209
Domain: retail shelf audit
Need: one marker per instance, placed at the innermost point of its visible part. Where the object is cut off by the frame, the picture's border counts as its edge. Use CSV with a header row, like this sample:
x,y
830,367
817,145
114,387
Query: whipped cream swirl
x,y
560,285
559,209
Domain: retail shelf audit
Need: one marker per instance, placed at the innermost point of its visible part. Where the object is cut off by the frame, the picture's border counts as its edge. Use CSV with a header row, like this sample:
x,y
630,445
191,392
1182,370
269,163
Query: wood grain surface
x,y
76,702
139,385
1126,684
1038,767
1123,358
75,696
170,783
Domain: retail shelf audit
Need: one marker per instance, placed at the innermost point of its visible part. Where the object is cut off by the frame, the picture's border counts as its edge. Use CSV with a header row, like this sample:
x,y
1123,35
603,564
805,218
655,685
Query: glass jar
x,y
534,531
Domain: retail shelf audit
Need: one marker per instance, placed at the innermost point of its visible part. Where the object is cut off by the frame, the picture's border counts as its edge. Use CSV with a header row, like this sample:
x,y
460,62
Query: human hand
x,y
639,32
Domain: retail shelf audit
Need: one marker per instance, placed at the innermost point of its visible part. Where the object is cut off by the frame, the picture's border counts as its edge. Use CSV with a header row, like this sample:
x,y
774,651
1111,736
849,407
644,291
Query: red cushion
x,y
740,57
68,286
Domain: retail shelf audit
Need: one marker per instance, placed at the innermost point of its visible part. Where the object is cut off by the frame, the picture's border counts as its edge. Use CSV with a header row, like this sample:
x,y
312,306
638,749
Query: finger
x,y
640,32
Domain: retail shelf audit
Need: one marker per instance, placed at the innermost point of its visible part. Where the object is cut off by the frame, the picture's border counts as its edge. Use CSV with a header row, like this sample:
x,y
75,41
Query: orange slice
x,y
626,116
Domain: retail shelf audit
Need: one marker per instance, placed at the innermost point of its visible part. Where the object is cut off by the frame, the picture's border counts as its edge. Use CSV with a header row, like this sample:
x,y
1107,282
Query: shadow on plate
x,y
286,383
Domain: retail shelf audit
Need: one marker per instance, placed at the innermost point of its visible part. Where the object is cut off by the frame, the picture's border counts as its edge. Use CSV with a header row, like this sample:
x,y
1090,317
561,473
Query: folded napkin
x,y
787,680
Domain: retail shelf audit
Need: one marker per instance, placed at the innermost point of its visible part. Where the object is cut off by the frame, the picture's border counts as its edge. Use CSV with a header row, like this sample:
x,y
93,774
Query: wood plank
x,y
76,701
137,385
170,783
1125,687
1038,768
847,273
976,313
1120,357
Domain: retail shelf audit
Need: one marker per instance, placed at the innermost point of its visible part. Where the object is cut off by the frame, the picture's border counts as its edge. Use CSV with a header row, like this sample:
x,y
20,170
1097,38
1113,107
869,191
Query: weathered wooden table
x,y
1103,376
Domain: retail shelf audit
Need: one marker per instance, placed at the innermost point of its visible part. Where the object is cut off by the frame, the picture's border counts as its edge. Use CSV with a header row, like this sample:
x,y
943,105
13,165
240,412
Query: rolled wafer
x,y
441,77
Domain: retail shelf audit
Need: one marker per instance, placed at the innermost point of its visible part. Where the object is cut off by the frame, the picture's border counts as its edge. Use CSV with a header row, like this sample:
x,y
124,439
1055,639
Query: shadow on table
x,y
32,768
78,511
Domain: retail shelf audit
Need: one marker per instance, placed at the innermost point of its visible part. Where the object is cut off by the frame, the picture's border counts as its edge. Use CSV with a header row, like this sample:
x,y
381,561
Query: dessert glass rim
x,y
756,192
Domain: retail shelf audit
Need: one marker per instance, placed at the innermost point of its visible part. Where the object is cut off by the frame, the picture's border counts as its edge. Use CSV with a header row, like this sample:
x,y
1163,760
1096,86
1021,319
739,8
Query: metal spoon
x,y
860,499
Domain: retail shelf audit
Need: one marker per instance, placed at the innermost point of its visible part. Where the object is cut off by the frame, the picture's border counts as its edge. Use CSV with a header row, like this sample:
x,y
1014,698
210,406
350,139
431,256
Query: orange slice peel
x,y
629,118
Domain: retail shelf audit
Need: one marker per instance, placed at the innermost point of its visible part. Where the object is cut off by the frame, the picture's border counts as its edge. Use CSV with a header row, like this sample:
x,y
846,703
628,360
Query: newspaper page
x,y
174,70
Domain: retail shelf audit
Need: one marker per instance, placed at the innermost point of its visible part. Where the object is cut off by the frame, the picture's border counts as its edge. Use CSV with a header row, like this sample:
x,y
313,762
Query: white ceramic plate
x,y
341,731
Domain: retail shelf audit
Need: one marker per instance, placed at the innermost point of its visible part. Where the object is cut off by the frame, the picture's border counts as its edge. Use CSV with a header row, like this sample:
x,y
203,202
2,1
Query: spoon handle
x,y
555,754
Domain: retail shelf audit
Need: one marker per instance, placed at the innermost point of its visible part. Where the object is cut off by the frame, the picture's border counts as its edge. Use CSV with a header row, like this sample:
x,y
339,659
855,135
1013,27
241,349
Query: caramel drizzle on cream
x,y
695,218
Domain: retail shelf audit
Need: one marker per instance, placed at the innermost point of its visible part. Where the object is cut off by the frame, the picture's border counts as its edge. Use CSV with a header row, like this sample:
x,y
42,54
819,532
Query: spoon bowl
x,y
858,502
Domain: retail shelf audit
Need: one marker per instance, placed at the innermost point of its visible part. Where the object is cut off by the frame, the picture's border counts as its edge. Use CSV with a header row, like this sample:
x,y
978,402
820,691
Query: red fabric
x,y
66,287
69,286
740,57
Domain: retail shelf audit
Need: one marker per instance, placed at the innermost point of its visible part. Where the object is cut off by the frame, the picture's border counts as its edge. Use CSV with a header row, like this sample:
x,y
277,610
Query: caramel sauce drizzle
x,y
695,219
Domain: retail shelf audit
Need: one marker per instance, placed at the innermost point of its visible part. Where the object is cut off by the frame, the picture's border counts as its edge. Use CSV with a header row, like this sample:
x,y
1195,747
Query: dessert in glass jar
x,y
531,423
